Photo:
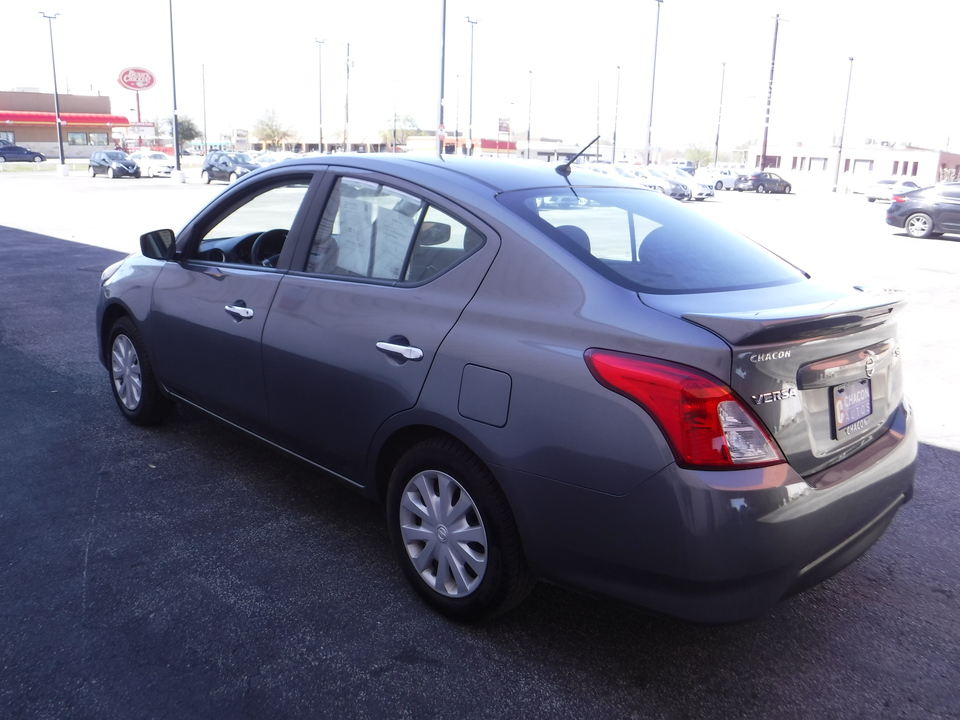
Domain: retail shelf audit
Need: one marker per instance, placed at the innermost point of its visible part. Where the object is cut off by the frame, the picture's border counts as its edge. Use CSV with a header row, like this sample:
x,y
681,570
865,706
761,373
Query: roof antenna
x,y
565,168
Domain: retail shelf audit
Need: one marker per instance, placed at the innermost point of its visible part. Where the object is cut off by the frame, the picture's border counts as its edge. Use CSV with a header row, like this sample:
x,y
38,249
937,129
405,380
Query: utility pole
x,y
470,119
56,94
843,127
766,123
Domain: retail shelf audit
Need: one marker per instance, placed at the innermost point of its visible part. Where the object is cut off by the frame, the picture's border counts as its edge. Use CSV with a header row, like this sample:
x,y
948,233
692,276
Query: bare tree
x,y
269,130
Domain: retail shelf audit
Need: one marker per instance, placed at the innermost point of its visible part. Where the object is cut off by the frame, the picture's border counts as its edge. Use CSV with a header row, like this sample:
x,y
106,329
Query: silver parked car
x,y
542,373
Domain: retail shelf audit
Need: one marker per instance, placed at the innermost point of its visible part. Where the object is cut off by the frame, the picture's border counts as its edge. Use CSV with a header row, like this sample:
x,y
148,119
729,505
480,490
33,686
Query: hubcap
x,y
125,366
443,534
918,225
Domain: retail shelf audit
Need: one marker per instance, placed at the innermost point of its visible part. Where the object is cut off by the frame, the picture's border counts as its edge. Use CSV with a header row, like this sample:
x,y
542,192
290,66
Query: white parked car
x,y
698,189
886,189
153,163
720,179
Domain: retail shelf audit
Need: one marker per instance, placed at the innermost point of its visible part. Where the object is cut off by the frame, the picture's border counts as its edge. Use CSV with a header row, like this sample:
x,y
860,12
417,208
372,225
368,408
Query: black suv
x,y
226,166
113,164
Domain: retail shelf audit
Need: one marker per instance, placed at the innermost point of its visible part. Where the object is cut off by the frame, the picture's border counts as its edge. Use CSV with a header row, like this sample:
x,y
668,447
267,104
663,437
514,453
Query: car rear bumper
x,y
716,547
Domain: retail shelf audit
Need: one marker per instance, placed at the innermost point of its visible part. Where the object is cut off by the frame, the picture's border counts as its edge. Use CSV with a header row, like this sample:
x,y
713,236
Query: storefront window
x,y
98,138
76,138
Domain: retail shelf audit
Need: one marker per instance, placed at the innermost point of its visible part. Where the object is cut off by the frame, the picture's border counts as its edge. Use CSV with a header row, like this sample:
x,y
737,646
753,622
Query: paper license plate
x,y
852,405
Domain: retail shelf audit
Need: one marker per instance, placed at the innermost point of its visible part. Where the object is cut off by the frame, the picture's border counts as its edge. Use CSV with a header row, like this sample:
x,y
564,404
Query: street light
x,y
470,119
529,112
320,87
441,140
175,123
653,81
716,145
766,122
616,112
346,107
843,127
56,94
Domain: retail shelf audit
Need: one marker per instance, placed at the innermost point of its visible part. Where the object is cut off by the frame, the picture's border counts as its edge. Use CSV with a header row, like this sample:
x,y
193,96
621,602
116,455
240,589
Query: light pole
x,y
653,82
470,119
843,127
441,140
203,75
346,107
529,111
616,112
320,88
175,123
56,94
716,145
766,122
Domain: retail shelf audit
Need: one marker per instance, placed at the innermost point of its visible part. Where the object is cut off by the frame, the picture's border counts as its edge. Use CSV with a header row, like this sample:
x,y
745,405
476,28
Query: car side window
x,y
255,232
370,230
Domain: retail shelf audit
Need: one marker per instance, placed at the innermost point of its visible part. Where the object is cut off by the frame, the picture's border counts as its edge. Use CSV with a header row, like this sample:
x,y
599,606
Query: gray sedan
x,y
540,372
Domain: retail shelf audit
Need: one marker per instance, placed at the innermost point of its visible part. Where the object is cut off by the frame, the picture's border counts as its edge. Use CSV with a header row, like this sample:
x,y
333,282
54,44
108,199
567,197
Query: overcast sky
x,y
263,56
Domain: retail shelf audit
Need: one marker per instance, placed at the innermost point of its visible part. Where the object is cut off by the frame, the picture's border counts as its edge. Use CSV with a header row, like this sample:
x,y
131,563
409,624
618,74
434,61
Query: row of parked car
x,y
679,181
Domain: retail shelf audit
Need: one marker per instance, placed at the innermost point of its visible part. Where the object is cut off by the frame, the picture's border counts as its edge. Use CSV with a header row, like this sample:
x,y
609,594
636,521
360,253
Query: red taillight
x,y
705,423
897,199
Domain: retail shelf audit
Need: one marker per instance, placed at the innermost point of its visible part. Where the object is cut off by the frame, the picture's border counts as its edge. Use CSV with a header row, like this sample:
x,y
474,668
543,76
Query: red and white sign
x,y
134,78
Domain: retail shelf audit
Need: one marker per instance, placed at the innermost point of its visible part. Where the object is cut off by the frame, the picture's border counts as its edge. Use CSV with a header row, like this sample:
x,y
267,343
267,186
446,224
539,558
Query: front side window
x,y
255,232
370,230
647,243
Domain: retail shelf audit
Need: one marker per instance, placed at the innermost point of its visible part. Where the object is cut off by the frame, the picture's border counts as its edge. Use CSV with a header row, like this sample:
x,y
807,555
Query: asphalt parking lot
x,y
184,571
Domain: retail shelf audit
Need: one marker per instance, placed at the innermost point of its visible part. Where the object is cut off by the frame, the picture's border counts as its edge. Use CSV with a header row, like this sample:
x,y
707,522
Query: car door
x,y
350,339
210,305
948,209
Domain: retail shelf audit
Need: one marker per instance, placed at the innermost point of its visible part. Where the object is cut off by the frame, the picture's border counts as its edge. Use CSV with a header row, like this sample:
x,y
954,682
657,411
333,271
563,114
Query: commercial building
x,y
29,119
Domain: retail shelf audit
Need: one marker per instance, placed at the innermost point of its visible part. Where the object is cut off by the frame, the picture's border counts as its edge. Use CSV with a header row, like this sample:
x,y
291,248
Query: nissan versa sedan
x,y
929,212
614,395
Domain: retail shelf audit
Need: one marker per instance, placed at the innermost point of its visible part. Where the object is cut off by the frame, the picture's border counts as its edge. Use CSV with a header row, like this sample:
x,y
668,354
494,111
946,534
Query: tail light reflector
x,y
706,425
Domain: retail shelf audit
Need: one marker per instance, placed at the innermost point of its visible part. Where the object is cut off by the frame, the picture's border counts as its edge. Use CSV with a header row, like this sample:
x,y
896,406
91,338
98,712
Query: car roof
x,y
498,175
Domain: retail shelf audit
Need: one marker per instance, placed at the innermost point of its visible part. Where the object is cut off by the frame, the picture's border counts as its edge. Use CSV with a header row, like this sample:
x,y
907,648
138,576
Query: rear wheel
x,y
454,534
205,177
761,188
134,385
718,186
919,225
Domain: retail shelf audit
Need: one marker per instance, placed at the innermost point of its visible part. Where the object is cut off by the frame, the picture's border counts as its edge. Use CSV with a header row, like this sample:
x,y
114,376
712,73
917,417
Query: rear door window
x,y
649,243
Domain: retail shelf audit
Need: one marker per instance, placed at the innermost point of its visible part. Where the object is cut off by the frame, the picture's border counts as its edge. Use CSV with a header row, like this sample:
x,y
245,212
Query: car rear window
x,y
647,242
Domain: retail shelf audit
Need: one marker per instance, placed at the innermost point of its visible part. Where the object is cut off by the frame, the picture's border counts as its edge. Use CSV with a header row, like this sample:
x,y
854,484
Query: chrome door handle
x,y
407,352
239,312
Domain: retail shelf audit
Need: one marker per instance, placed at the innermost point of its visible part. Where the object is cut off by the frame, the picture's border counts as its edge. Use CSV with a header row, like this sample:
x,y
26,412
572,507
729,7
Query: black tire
x,y
92,172
134,385
111,174
233,177
493,575
787,189
137,174
871,199
205,177
919,225
37,159
719,185
761,188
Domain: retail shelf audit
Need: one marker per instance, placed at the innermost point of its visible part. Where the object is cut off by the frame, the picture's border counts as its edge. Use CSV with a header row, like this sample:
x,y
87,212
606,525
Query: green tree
x,y
269,130
700,156
187,130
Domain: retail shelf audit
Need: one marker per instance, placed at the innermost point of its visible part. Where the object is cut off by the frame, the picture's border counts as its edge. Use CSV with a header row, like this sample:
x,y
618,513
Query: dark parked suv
x,y
113,164
226,166
928,212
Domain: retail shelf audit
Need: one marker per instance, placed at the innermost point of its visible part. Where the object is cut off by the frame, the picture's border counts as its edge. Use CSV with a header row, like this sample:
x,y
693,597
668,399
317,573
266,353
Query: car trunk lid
x,y
821,370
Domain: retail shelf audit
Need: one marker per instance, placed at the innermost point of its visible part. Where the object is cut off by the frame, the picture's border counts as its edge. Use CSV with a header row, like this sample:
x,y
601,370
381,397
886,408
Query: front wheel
x,y
111,174
205,177
919,225
91,172
134,385
718,186
233,177
37,159
787,189
454,534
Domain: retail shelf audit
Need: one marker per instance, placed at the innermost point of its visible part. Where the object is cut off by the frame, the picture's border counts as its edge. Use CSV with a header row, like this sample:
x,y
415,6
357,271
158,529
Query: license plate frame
x,y
852,406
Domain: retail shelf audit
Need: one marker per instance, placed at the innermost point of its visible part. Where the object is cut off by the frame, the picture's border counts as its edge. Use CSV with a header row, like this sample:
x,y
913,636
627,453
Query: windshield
x,y
240,158
647,242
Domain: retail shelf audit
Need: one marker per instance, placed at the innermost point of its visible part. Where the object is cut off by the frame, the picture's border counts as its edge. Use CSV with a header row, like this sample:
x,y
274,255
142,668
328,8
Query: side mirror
x,y
159,244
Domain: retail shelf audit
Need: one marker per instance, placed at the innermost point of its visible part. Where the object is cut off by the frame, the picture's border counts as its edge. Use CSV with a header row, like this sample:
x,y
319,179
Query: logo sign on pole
x,y
134,78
